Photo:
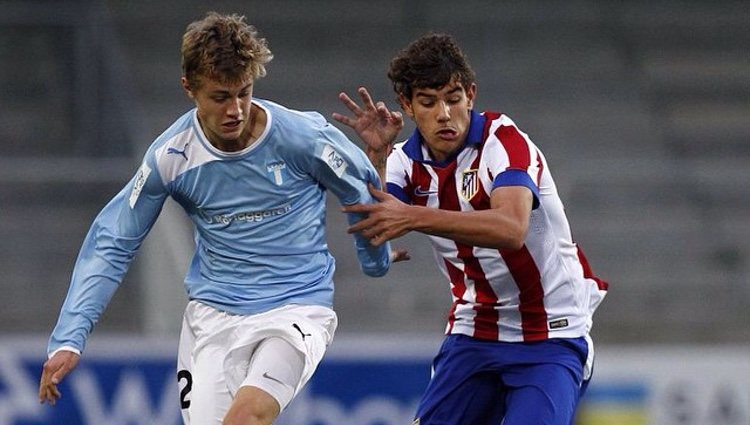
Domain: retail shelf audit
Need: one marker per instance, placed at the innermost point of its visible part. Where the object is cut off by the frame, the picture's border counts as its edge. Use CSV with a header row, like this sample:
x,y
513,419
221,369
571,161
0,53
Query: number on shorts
x,y
185,390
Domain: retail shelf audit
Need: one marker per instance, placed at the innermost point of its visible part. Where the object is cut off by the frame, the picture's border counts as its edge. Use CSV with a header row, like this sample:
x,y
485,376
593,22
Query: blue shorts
x,y
478,382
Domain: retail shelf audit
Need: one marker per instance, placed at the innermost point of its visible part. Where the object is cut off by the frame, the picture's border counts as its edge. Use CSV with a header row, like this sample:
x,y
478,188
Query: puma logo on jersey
x,y
176,151
296,326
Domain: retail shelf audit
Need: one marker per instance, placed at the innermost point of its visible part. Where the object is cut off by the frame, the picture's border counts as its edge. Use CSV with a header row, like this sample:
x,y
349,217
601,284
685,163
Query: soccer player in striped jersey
x,y
252,177
517,348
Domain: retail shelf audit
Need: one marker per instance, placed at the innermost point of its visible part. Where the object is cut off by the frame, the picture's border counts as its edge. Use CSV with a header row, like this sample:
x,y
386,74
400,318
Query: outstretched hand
x,y
387,219
53,372
374,123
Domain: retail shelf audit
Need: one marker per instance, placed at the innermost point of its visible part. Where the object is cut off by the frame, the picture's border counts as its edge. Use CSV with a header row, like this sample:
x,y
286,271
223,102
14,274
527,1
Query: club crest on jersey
x,y
275,168
469,184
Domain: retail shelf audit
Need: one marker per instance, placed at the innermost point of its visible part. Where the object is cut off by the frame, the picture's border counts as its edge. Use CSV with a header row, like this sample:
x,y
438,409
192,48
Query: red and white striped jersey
x,y
545,289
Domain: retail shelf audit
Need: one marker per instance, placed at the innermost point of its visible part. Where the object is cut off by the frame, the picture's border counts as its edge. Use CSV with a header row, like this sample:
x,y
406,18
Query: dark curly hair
x,y
431,61
223,48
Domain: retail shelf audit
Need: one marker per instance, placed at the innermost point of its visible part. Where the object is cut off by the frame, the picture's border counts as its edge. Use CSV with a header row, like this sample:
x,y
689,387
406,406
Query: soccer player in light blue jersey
x,y
251,175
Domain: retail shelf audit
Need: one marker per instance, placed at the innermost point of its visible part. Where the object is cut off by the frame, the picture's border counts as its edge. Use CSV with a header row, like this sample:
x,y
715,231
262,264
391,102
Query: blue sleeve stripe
x,y
398,192
513,177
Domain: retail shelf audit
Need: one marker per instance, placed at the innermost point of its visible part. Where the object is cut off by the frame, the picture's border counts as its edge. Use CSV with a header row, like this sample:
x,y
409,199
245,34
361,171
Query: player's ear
x,y
186,86
471,94
406,105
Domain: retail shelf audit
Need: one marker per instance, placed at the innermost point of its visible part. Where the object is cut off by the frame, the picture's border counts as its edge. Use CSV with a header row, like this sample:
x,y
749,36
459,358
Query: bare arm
x,y
375,124
504,226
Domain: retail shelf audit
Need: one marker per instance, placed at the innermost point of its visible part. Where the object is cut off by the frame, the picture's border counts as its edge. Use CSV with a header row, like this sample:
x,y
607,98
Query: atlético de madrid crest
x,y
469,184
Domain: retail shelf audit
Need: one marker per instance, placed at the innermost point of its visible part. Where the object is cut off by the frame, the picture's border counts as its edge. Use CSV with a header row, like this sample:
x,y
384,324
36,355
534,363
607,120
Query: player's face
x,y
442,116
224,112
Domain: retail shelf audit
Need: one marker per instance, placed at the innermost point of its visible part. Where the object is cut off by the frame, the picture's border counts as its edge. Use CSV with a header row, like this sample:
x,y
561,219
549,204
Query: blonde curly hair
x,y
223,48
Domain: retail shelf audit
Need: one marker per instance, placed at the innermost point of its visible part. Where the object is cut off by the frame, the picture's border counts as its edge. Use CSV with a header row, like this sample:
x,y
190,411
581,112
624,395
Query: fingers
x,y
364,227
370,115
357,208
48,391
49,394
367,208
399,255
371,228
53,372
368,227
397,119
378,240
354,108
383,113
343,119
367,101
59,375
42,391
350,104
378,194
392,117
366,98
381,196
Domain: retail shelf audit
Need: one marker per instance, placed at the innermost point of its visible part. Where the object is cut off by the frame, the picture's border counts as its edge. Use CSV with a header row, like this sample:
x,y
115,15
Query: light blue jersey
x,y
259,217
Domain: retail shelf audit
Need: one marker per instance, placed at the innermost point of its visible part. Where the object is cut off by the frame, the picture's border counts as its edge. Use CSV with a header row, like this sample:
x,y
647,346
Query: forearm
x,y
487,228
379,160
374,261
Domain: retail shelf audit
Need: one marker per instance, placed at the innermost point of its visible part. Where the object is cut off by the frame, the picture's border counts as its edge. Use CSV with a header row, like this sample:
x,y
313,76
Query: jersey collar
x,y
413,146
223,154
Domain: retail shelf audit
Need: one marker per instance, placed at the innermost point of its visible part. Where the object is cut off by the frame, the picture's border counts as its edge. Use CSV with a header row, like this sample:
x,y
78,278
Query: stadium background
x,y
641,107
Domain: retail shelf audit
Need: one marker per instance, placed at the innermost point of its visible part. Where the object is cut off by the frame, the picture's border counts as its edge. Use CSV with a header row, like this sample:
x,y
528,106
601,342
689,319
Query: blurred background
x,y
642,109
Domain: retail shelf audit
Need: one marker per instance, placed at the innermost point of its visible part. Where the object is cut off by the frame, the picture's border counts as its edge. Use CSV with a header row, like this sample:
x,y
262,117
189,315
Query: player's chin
x,y
231,135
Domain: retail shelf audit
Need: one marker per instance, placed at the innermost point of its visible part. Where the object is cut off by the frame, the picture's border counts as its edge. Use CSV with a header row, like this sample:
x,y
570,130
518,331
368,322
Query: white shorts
x,y
219,353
